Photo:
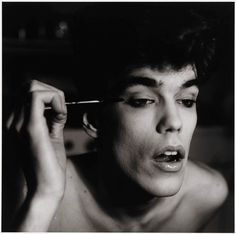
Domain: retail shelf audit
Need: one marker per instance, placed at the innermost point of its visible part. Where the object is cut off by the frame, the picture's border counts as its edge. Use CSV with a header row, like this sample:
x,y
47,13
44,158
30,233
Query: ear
x,y
89,126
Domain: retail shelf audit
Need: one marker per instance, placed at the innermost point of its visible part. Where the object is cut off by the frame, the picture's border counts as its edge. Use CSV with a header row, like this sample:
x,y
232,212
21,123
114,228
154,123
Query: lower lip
x,y
169,166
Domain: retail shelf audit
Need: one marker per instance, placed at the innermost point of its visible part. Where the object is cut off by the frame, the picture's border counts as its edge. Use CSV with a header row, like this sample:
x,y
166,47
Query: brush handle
x,y
76,103
89,102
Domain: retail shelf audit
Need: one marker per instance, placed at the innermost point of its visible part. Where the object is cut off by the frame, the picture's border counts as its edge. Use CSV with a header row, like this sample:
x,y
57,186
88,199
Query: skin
x,y
121,188
135,132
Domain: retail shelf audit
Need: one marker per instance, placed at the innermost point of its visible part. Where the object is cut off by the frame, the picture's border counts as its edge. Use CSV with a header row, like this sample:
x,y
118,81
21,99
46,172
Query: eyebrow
x,y
192,82
140,80
149,82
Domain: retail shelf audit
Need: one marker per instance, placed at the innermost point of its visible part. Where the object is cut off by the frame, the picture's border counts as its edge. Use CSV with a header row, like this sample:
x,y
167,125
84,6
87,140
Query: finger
x,y
10,120
40,86
32,111
40,98
57,126
15,120
20,121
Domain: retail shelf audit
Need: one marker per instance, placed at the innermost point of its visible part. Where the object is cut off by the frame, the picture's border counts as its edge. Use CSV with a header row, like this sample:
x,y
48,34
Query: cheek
x,y
132,147
127,124
133,132
190,121
128,135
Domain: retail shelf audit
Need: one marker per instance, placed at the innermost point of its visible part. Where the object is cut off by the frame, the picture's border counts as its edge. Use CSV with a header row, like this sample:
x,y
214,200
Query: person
x,y
146,64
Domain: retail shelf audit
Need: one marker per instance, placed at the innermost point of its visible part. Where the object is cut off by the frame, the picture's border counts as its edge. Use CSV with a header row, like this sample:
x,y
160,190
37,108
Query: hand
x,y
44,158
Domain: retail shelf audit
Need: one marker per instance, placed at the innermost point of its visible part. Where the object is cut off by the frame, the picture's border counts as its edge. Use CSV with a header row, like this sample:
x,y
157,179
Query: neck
x,y
122,193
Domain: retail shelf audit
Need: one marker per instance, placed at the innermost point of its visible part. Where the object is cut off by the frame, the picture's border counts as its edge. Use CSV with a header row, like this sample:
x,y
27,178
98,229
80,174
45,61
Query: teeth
x,y
168,153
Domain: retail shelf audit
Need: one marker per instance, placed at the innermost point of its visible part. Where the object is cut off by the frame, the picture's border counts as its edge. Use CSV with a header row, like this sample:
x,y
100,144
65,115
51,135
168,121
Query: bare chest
x,y
80,211
90,217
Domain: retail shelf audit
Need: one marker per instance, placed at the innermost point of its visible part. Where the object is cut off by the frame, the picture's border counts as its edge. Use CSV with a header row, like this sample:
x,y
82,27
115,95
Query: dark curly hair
x,y
111,38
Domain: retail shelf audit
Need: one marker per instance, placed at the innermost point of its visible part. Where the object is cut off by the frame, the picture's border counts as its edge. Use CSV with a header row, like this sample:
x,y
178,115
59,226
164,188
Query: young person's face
x,y
148,134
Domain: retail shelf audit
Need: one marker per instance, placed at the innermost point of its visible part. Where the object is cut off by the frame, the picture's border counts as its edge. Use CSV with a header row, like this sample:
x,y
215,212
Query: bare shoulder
x,y
203,191
205,186
82,172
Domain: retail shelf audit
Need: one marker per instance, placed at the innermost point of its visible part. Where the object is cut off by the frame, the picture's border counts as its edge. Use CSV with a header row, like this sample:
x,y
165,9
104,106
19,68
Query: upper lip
x,y
179,149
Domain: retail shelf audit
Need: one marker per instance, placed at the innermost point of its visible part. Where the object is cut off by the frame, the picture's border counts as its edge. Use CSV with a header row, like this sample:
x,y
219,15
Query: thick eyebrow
x,y
140,80
149,82
190,83
130,81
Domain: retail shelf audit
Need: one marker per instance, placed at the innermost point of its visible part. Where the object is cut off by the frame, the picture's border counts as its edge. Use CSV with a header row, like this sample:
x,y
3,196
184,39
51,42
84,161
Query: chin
x,y
165,187
167,192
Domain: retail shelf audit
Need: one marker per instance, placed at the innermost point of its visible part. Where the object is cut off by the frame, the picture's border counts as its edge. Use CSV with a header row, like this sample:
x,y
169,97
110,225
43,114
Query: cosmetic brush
x,y
89,102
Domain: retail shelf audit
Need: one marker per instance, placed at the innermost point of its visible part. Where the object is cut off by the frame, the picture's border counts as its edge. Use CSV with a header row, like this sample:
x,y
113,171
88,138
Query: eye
x,y
140,102
187,102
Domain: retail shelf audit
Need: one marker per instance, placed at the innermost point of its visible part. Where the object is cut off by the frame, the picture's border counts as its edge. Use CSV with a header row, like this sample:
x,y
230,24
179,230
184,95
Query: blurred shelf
x,y
12,46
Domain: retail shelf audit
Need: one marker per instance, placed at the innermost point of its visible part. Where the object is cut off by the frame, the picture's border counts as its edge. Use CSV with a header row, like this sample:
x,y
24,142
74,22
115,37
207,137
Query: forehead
x,y
152,78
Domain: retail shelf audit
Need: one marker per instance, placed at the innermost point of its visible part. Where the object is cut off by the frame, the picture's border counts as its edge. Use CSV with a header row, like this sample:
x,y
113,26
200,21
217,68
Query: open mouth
x,y
169,156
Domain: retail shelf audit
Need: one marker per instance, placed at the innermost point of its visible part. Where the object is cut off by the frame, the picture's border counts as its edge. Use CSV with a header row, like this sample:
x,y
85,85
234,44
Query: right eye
x,y
140,102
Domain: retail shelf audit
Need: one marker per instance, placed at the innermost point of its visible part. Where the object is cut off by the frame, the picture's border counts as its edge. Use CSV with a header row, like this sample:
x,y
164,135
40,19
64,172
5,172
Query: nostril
x,y
173,130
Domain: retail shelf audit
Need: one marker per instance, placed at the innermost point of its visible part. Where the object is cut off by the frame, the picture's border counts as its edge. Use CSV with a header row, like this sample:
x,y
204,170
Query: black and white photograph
x,y
118,117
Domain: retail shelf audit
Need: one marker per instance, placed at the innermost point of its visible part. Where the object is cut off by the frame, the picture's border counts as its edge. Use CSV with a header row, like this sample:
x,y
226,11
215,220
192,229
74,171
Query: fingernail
x,y
61,116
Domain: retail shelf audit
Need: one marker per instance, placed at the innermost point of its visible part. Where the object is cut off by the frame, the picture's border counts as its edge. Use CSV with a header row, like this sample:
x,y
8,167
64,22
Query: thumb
x,y
57,126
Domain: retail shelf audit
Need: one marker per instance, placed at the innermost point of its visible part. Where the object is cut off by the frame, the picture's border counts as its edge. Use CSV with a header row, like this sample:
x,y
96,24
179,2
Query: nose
x,y
170,120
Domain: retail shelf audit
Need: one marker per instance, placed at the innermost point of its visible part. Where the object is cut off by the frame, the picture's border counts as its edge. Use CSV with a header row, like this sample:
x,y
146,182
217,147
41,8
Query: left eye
x,y
140,102
187,102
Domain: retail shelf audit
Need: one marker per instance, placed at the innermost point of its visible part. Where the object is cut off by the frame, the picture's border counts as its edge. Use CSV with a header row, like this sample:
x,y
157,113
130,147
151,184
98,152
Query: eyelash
x,y
188,103
140,102
143,102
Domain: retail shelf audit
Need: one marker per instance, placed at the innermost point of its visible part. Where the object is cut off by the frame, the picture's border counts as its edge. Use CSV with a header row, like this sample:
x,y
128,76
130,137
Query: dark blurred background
x,y
36,45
